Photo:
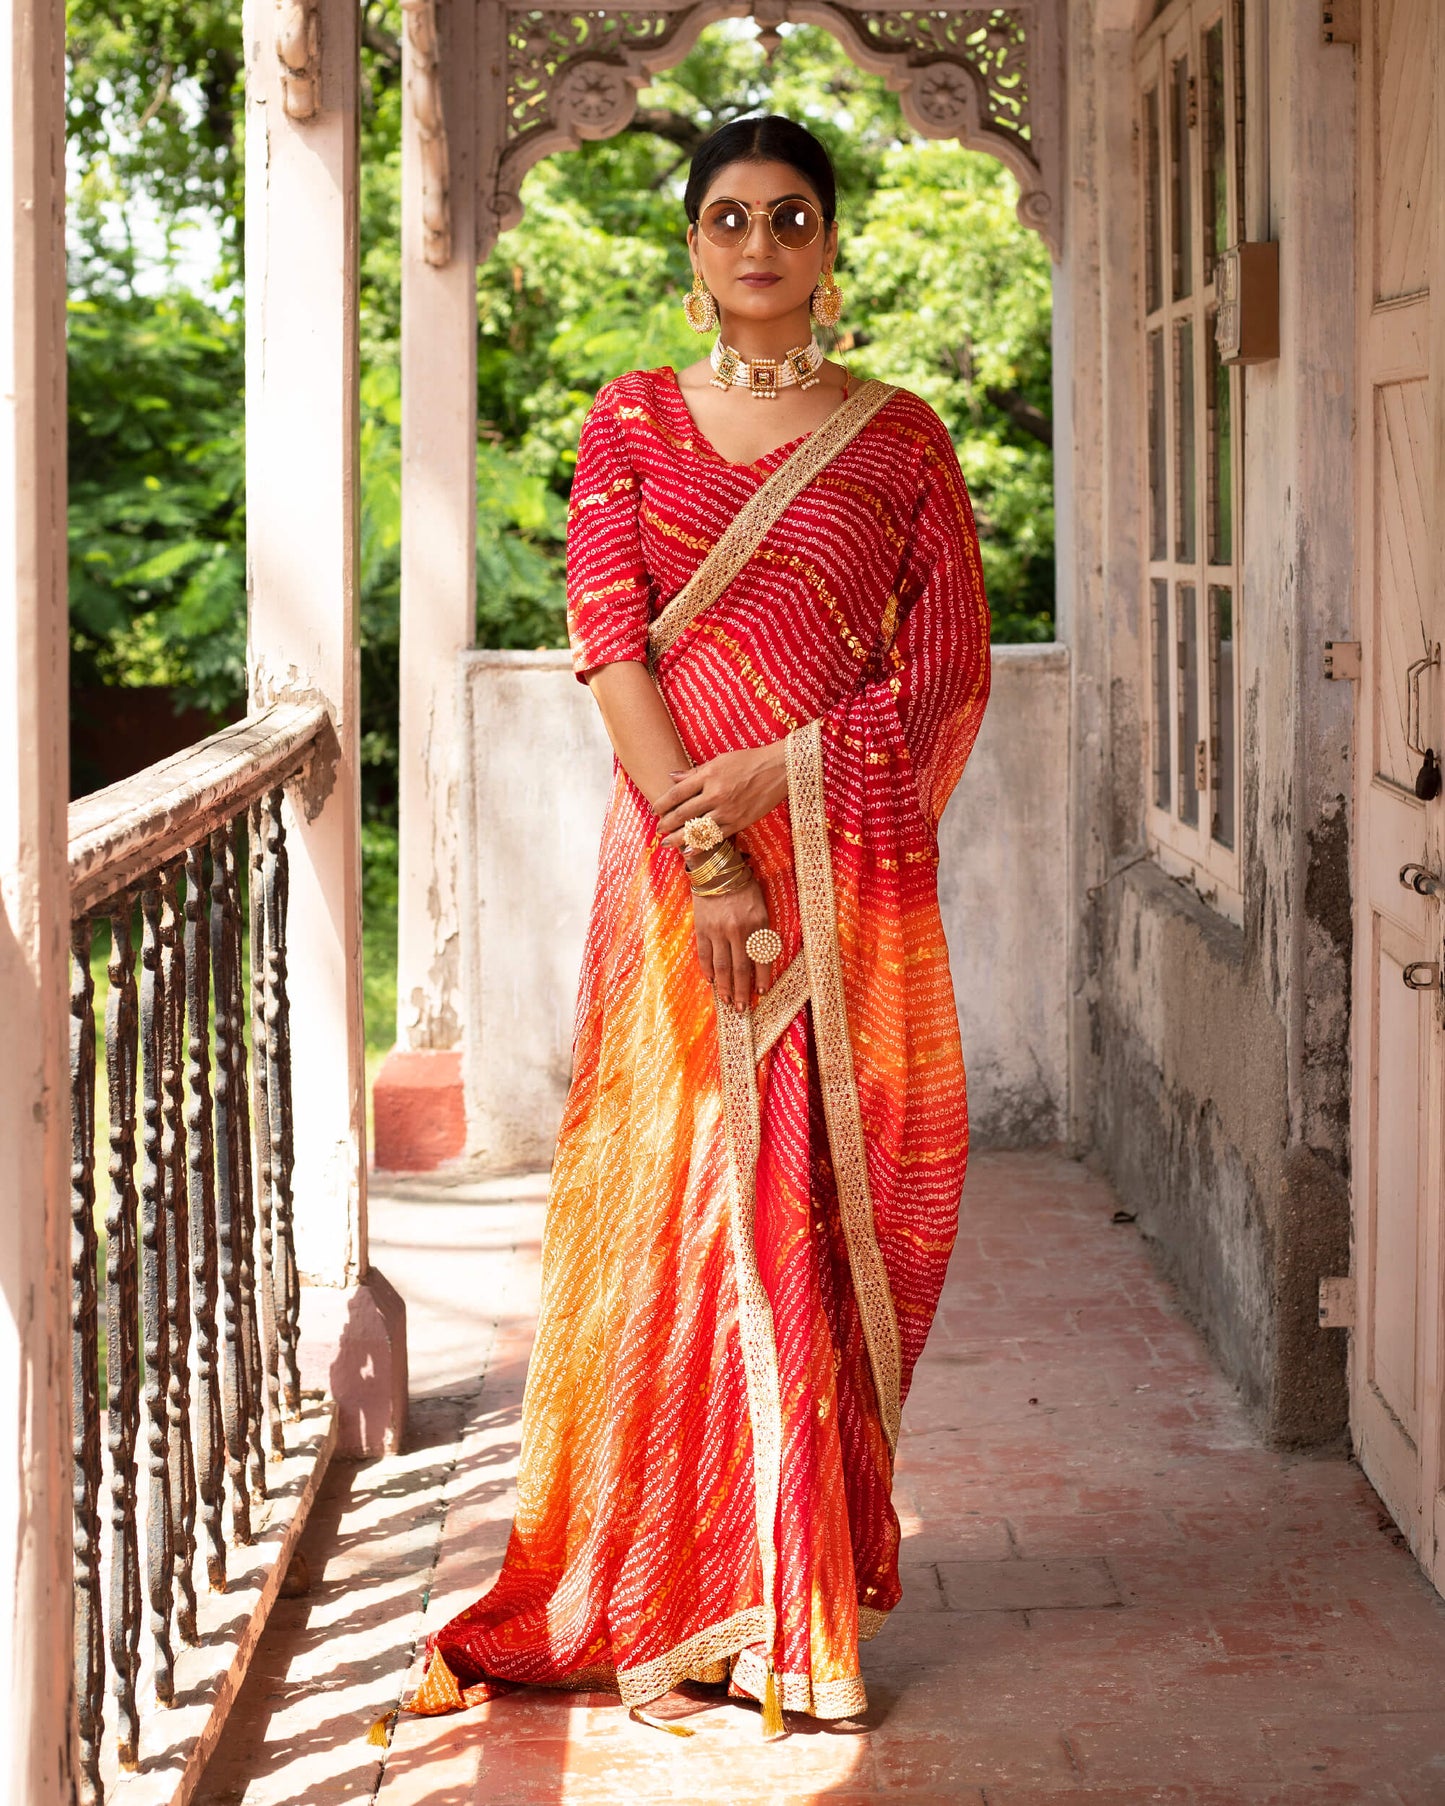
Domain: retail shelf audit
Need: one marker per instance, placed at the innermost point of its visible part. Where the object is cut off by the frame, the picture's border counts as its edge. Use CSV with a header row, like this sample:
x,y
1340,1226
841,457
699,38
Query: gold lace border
x,y
813,862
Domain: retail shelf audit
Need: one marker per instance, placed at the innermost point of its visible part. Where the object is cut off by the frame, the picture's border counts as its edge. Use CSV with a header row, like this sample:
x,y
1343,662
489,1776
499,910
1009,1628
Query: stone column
x,y
302,555
35,1506
419,1111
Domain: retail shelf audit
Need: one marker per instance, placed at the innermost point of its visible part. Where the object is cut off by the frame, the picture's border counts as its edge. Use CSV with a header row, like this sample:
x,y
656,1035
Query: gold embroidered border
x,y
778,1005
870,1622
738,1066
817,904
800,1693
745,531
652,1679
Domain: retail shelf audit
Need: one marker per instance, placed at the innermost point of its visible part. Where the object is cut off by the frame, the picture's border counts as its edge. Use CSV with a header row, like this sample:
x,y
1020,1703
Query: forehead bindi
x,y
759,185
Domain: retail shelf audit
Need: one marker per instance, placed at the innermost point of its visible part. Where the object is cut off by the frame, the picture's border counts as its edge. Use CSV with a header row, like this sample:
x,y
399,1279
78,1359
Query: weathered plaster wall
x,y
1219,1089
539,772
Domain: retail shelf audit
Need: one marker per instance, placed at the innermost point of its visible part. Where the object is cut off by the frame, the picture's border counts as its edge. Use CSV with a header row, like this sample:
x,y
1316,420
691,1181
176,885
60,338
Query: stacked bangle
x,y
724,869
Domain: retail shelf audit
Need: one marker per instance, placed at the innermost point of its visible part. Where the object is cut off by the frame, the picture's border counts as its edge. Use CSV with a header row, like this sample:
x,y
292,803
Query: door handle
x,y
1418,878
1422,975
1429,780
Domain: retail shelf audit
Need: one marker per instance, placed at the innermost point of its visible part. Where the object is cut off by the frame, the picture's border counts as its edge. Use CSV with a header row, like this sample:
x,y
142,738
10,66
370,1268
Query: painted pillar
x,y
419,1111
35,1506
302,555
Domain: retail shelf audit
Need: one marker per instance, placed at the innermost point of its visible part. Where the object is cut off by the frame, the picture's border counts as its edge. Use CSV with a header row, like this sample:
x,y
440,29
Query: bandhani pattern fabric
x,y
750,1213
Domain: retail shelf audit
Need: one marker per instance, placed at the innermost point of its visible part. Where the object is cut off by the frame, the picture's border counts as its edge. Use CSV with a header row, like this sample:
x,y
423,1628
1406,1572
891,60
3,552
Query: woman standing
x,y
775,596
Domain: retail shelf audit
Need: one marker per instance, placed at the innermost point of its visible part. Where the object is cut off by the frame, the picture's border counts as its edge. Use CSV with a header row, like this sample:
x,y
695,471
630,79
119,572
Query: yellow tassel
x,y
773,1725
378,1733
660,1724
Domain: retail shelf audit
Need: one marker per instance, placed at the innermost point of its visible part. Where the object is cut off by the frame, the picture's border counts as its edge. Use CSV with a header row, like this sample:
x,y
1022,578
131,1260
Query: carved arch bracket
x,y
991,77
298,52
424,91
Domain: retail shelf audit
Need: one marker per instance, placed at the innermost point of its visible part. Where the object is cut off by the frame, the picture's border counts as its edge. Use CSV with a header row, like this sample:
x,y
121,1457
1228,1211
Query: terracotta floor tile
x,y
1158,1609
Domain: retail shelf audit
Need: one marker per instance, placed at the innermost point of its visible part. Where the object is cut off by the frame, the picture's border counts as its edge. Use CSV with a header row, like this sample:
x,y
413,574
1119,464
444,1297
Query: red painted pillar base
x,y
419,1113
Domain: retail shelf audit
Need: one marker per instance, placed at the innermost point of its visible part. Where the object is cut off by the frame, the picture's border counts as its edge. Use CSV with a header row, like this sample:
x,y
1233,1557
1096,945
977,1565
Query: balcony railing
x,y
201,1296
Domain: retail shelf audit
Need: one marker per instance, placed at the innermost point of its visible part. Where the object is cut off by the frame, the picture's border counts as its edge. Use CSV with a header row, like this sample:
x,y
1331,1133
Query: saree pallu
x,y
750,1213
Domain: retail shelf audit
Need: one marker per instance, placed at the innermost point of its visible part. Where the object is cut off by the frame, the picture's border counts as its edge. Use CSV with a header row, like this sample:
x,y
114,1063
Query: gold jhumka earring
x,y
827,300
700,305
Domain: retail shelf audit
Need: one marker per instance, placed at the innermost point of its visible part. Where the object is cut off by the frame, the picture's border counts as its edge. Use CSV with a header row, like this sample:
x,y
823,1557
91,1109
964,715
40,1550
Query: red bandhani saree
x,y
750,1214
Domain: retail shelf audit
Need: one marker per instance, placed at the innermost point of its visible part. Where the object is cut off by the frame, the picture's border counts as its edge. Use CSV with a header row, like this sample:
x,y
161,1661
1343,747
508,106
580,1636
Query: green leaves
x,y
157,522
943,290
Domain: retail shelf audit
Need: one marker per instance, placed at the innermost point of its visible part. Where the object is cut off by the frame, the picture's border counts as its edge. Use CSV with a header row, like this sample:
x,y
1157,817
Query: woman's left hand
x,y
735,788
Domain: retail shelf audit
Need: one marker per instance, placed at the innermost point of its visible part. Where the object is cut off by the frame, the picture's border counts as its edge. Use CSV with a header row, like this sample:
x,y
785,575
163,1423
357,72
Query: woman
x,y
758,1171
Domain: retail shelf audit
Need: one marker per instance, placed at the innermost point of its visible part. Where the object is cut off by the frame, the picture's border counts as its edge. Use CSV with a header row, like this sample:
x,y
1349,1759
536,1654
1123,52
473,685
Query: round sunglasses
x,y
794,223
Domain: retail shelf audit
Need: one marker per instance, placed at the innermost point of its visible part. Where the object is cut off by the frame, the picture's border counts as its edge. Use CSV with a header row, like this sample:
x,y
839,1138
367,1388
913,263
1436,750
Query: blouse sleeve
x,y
608,589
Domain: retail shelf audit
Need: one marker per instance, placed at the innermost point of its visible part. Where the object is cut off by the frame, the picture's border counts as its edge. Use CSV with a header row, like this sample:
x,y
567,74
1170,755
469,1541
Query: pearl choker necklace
x,y
762,377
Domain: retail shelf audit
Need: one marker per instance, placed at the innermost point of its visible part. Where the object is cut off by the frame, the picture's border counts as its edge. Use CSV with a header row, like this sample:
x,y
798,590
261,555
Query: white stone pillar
x,y
418,1094
302,555
35,1506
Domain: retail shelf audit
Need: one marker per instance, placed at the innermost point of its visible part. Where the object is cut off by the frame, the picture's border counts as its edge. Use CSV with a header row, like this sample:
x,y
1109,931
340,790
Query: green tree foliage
x,y
943,291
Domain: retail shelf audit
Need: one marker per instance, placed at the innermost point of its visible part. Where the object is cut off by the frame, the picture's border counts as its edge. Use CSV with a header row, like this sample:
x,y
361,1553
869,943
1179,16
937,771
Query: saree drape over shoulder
x,y
750,1214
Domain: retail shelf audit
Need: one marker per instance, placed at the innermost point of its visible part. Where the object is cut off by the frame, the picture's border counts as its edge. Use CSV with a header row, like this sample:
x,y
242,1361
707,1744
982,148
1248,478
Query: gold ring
x,y
763,945
701,833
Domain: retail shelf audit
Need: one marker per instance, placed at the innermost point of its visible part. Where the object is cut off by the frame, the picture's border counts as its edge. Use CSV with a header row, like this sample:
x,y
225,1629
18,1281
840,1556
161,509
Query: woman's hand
x,y
722,926
735,788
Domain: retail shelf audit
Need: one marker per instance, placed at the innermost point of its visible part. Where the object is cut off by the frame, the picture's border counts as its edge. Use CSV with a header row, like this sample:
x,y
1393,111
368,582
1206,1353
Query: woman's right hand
x,y
722,926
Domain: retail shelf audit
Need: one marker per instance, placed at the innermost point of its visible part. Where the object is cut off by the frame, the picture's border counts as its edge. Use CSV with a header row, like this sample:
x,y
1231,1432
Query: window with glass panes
x,y
1191,123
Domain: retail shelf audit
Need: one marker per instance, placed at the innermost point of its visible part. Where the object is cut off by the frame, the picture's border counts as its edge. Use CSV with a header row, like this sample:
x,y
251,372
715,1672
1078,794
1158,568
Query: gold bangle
x,y
735,878
726,858
717,861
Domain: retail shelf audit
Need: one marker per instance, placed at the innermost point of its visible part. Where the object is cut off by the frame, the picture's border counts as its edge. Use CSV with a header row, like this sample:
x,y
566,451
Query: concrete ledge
x,y
420,1118
176,1743
353,1347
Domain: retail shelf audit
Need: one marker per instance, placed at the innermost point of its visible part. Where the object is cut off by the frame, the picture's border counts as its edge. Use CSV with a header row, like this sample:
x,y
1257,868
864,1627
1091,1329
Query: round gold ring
x,y
763,945
701,833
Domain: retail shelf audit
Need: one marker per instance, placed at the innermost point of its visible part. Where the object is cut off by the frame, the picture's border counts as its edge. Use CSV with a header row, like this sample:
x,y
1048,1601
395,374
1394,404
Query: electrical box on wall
x,y
1246,282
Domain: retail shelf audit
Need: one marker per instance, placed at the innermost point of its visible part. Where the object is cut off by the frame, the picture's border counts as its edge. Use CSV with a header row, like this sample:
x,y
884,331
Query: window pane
x,y
1163,759
1153,204
1221,708
1181,229
1220,472
1184,460
1216,170
1158,462
1188,630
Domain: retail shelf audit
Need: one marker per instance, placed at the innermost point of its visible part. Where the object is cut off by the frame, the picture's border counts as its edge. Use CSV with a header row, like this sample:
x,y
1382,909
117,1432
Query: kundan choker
x,y
762,377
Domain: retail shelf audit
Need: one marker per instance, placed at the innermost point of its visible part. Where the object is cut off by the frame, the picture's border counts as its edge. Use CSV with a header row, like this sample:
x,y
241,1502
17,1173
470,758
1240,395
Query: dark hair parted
x,y
768,138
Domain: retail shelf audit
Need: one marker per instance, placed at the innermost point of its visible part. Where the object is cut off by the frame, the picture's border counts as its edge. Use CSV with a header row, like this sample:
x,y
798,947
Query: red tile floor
x,y
1113,1592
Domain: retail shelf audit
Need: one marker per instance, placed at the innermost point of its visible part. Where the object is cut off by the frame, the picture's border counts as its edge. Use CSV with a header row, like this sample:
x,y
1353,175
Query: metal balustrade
x,y
201,1292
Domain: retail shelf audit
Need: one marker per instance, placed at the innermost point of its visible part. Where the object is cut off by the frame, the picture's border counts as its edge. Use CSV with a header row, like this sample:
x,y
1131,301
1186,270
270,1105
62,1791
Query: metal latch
x,y
1422,975
1337,1303
1420,878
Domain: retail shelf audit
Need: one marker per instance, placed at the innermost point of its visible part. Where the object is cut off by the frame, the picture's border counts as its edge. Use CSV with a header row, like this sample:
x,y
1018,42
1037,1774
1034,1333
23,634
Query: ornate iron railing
x,y
201,1295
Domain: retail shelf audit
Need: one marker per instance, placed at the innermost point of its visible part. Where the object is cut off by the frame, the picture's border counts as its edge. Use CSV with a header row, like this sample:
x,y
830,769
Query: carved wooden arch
x,y
992,77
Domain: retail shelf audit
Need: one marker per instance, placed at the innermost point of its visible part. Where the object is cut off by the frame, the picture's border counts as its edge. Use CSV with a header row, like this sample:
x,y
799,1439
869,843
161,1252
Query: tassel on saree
x,y
641,1716
773,1725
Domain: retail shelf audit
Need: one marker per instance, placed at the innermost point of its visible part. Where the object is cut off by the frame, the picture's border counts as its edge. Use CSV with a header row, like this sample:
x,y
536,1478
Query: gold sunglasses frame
x,y
728,200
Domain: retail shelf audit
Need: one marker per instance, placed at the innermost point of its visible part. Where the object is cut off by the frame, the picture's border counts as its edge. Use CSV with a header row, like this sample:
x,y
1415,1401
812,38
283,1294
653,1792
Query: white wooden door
x,y
1396,1351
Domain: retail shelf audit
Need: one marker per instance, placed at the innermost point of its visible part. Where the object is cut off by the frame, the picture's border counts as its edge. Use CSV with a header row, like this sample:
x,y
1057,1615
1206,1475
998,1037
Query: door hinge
x,y
1342,660
1337,1303
1340,21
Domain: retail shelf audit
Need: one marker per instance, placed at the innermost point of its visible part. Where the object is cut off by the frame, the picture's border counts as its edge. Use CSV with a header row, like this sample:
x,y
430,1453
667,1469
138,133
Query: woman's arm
x,y
649,751
638,725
